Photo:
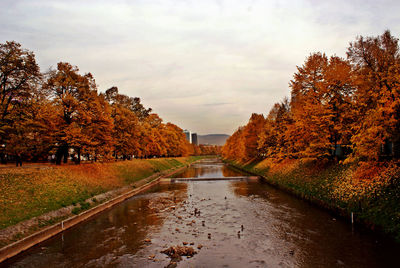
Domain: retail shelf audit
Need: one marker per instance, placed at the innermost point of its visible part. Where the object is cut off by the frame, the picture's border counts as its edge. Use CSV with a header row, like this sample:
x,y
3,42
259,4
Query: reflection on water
x,y
310,236
208,169
278,230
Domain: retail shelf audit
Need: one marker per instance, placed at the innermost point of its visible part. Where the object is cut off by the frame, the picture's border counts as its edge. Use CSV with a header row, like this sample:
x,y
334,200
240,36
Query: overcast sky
x,y
203,65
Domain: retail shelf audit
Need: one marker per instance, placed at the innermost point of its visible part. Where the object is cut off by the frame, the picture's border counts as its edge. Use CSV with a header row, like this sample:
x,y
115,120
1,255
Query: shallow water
x,y
278,230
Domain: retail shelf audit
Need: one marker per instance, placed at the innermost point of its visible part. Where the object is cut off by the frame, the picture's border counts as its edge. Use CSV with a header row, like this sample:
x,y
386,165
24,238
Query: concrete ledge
x,y
17,247
238,178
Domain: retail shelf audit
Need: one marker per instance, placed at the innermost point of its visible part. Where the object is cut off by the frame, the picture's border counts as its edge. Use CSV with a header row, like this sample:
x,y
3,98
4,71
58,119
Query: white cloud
x,y
204,65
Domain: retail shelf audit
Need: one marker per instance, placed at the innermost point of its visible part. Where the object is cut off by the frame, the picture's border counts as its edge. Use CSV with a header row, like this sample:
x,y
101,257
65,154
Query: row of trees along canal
x,y
339,108
61,111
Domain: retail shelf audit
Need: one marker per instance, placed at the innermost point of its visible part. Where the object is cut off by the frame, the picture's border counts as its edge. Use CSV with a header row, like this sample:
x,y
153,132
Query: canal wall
x,y
164,168
367,194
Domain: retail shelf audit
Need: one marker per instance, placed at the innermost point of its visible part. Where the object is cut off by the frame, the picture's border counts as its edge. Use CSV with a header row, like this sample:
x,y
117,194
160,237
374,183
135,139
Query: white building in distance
x,y
188,135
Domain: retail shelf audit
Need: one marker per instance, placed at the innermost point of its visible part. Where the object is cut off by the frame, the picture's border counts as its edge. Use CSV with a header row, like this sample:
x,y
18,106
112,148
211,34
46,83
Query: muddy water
x,y
278,230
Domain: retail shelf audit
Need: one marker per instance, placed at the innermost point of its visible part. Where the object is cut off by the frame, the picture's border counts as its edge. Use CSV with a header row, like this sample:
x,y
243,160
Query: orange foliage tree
x,y
175,141
376,65
20,79
320,105
251,133
126,125
234,147
83,120
62,113
273,142
336,106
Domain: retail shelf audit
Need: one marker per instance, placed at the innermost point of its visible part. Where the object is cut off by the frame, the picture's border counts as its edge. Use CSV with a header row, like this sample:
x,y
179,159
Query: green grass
x,y
82,207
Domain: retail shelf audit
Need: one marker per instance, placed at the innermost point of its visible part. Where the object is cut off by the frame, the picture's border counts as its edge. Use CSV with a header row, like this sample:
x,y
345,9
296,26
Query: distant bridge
x,y
239,178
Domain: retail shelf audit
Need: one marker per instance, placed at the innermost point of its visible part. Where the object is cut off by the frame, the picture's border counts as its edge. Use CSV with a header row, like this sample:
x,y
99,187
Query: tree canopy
x,y
61,113
338,108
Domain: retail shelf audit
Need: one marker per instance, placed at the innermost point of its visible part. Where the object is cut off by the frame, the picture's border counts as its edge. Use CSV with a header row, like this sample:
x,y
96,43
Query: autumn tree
x,y
336,103
197,150
251,135
97,126
127,126
31,131
273,140
321,100
234,147
132,103
375,61
83,120
19,77
61,112
151,138
306,136
175,141
338,100
141,133
209,150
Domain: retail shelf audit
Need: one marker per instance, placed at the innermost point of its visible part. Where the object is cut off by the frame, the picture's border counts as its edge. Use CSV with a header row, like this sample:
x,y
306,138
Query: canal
x,y
239,223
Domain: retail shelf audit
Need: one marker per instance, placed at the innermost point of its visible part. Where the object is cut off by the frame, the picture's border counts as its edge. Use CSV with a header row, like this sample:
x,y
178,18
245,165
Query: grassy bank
x,y
370,190
32,191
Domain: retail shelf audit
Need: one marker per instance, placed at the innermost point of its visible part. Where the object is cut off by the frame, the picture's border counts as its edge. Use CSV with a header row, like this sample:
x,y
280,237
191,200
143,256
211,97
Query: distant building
x,y
194,139
188,135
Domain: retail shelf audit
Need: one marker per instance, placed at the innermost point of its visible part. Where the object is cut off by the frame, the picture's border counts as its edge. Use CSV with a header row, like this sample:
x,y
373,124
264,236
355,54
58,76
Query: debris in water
x,y
172,264
340,262
176,253
197,212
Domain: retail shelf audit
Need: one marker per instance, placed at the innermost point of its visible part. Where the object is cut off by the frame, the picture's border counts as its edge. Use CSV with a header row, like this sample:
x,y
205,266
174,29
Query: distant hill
x,y
212,139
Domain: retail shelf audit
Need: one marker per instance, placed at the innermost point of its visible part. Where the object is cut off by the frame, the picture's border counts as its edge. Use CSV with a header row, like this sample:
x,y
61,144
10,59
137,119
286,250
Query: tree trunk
x,y
78,161
3,158
65,152
59,155
62,152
